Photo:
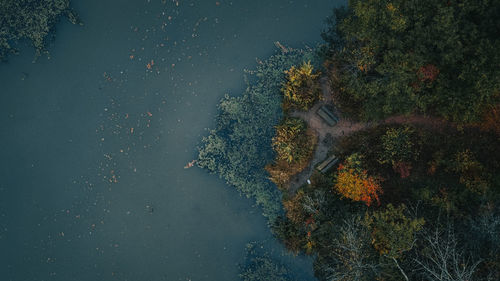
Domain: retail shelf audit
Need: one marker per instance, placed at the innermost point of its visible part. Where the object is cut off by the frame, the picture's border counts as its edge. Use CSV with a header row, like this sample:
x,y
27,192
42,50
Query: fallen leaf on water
x,y
190,164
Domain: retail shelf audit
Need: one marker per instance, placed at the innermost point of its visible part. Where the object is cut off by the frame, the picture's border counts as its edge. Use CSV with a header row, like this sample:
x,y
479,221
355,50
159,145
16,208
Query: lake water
x,y
94,140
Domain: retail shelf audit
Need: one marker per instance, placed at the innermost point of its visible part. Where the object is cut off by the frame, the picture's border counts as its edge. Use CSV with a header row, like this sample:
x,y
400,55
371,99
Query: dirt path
x,y
343,128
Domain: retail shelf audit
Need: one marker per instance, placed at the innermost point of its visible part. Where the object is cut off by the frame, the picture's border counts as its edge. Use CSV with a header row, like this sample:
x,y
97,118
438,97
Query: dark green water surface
x,y
94,140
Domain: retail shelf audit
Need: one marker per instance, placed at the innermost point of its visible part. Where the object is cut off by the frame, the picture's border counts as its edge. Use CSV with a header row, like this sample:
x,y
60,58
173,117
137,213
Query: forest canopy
x,y
413,198
32,20
448,202
400,57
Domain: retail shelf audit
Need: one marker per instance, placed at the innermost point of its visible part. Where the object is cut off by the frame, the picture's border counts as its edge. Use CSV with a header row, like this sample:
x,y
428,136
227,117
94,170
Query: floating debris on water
x,y
190,164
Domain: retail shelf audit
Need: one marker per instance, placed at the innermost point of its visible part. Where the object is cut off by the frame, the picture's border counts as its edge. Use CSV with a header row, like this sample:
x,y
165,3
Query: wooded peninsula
x,y
378,152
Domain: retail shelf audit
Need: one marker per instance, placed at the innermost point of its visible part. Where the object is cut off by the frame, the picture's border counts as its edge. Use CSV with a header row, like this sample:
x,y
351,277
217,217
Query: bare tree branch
x,y
442,260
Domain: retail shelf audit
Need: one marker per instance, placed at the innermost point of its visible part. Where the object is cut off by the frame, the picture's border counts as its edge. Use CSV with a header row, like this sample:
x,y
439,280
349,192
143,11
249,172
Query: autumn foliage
x,y
294,209
301,89
354,183
491,119
403,169
428,73
294,145
401,147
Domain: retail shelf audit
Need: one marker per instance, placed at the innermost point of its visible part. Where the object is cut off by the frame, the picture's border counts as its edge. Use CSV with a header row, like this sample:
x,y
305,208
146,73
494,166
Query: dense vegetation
x,y
294,146
294,143
301,90
441,217
32,20
353,181
239,147
400,57
260,266
409,200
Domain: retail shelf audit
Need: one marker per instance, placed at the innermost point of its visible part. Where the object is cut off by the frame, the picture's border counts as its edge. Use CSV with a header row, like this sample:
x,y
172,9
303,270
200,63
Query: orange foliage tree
x,y
354,183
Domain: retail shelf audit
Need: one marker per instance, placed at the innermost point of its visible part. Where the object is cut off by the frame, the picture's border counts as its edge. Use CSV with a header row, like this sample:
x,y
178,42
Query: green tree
x,y
393,233
472,173
437,57
400,149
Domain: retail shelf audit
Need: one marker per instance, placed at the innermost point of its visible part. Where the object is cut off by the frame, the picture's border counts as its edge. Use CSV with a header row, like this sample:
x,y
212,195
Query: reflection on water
x,y
94,140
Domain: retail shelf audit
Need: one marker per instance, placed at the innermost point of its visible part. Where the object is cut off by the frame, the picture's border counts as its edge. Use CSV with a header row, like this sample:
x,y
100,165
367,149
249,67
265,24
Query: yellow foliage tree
x,y
301,89
294,145
354,183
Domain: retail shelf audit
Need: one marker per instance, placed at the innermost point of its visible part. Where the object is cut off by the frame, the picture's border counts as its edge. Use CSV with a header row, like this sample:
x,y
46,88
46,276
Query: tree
x,y
291,142
472,173
294,146
354,183
401,57
400,149
292,235
301,89
442,260
294,209
352,258
393,233
428,73
491,119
